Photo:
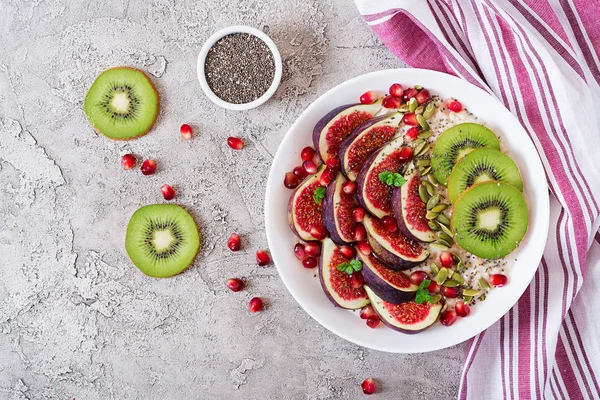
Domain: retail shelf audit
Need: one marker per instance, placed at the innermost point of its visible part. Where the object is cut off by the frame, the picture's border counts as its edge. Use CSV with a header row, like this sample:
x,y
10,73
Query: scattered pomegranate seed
x,y
396,90
310,167
333,163
433,287
167,192
356,280
406,153
299,251
368,386
390,223
309,262
128,161
418,276
498,280
391,102
313,249
307,153
235,143
450,292
446,259
186,131
462,309
454,105
359,214
299,172
235,284
364,248
412,133
368,97
360,233
367,311
262,258
373,322
349,187
234,242
290,180
319,232
423,96
255,304
148,167
448,317
348,251
409,94
410,119
327,177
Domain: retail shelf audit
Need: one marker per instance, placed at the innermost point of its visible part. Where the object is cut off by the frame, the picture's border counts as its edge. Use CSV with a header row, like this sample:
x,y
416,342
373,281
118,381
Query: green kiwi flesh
x,y
490,219
162,239
455,143
483,165
121,103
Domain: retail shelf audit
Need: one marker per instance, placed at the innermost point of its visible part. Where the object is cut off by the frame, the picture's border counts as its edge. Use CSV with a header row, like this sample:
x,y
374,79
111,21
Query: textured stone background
x,y
77,320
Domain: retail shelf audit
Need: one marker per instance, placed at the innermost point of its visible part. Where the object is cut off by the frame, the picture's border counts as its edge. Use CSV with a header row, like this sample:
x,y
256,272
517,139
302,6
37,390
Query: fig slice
x,y
409,210
364,140
393,248
372,194
334,127
337,284
304,213
390,285
337,212
408,317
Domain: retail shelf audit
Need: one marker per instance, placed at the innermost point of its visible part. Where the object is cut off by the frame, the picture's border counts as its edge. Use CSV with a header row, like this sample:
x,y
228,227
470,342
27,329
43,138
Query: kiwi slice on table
x,y
162,239
483,165
490,219
455,143
122,103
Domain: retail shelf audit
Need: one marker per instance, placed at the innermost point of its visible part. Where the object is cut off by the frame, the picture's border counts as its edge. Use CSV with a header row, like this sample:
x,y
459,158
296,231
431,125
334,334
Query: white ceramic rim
x,y
342,322
228,31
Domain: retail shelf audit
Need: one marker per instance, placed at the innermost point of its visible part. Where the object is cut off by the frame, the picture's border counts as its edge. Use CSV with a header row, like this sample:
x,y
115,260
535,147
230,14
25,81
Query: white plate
x,y
305,287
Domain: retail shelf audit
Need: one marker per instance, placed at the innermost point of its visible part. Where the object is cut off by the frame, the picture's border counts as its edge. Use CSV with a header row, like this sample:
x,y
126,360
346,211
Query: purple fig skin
x,y
291,201
323,122
382,288
397,214
388,258
329,213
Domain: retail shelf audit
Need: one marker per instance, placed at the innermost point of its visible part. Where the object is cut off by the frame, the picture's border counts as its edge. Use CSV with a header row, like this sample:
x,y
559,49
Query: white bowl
x,y
228,31
305,287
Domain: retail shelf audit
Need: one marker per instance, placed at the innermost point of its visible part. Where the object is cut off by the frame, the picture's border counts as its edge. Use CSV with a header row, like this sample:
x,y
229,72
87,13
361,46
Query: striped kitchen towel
x,y
542,60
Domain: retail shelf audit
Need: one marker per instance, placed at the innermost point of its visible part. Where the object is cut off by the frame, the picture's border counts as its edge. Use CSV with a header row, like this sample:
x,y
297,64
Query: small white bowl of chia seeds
x,y
239,67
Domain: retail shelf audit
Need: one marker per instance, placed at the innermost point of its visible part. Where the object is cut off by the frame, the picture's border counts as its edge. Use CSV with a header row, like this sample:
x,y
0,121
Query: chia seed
x,y
239,68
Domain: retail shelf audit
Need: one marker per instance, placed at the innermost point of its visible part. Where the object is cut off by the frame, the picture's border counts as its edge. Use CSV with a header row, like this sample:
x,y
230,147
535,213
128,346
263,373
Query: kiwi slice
x,y
490,219
457,142
162,239
483,165
122,103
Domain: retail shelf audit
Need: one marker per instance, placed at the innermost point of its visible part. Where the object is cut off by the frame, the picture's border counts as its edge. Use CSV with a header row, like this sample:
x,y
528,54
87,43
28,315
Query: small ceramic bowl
x,y
228,31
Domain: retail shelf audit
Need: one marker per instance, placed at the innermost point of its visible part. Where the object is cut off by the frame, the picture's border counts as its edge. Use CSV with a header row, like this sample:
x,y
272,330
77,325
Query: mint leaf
x,y
422,292
385,177
392,178
319,194
350,267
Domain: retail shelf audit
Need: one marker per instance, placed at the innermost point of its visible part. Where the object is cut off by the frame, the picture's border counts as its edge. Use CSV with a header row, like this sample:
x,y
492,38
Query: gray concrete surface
x,y
77,320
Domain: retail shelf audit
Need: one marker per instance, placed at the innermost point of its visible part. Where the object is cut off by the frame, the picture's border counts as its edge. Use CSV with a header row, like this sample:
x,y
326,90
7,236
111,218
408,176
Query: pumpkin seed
x,y
470,292
423,150
417,143
418,87
451,283
455,257
446,230
412,105
424,162
403,109
445,243
467,298
423,193
429,110
426,170
434,268
429,187
459,266
441,276
438,246
420,110
432,180
446,237
443,219
483,283
435,299
419,147
431,215
433,225
458,278
440,207
423,122
433,201
425,135
482,297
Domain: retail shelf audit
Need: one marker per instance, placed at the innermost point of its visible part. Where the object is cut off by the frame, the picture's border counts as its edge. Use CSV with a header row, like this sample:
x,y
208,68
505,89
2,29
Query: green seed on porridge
x,y
470,292
423,122
418,87
429,110
423,193
433,201
446,237
425,135
443,219
438,246
441,276
483,283
426,170
433,225
439,208
418,147
423,150
432,180
467,298
434,268
412,105
451,283
458,278
445,229
424,162
431,214
445,243
435,299
419,110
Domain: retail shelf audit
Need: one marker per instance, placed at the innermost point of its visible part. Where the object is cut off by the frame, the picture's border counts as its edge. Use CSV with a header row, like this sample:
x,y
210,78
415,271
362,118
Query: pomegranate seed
x,y
368,386
360,233
310,167
333,163
409,94
423,96
448,317
148,167
454,105
410,119
186,131
167,192
358,214
396,90
299,172
309,262
235,143
418,276
390,223
368,97
290,180
412,133
313,249
349,187
262,258
498,280
446,259
373,322
255,304
356,280
327,177
128,161
462,309
319,232
450,292
299,251
348,251
235,284
234,242
406,153
391,102
307,153
367,312
433,287
364,248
